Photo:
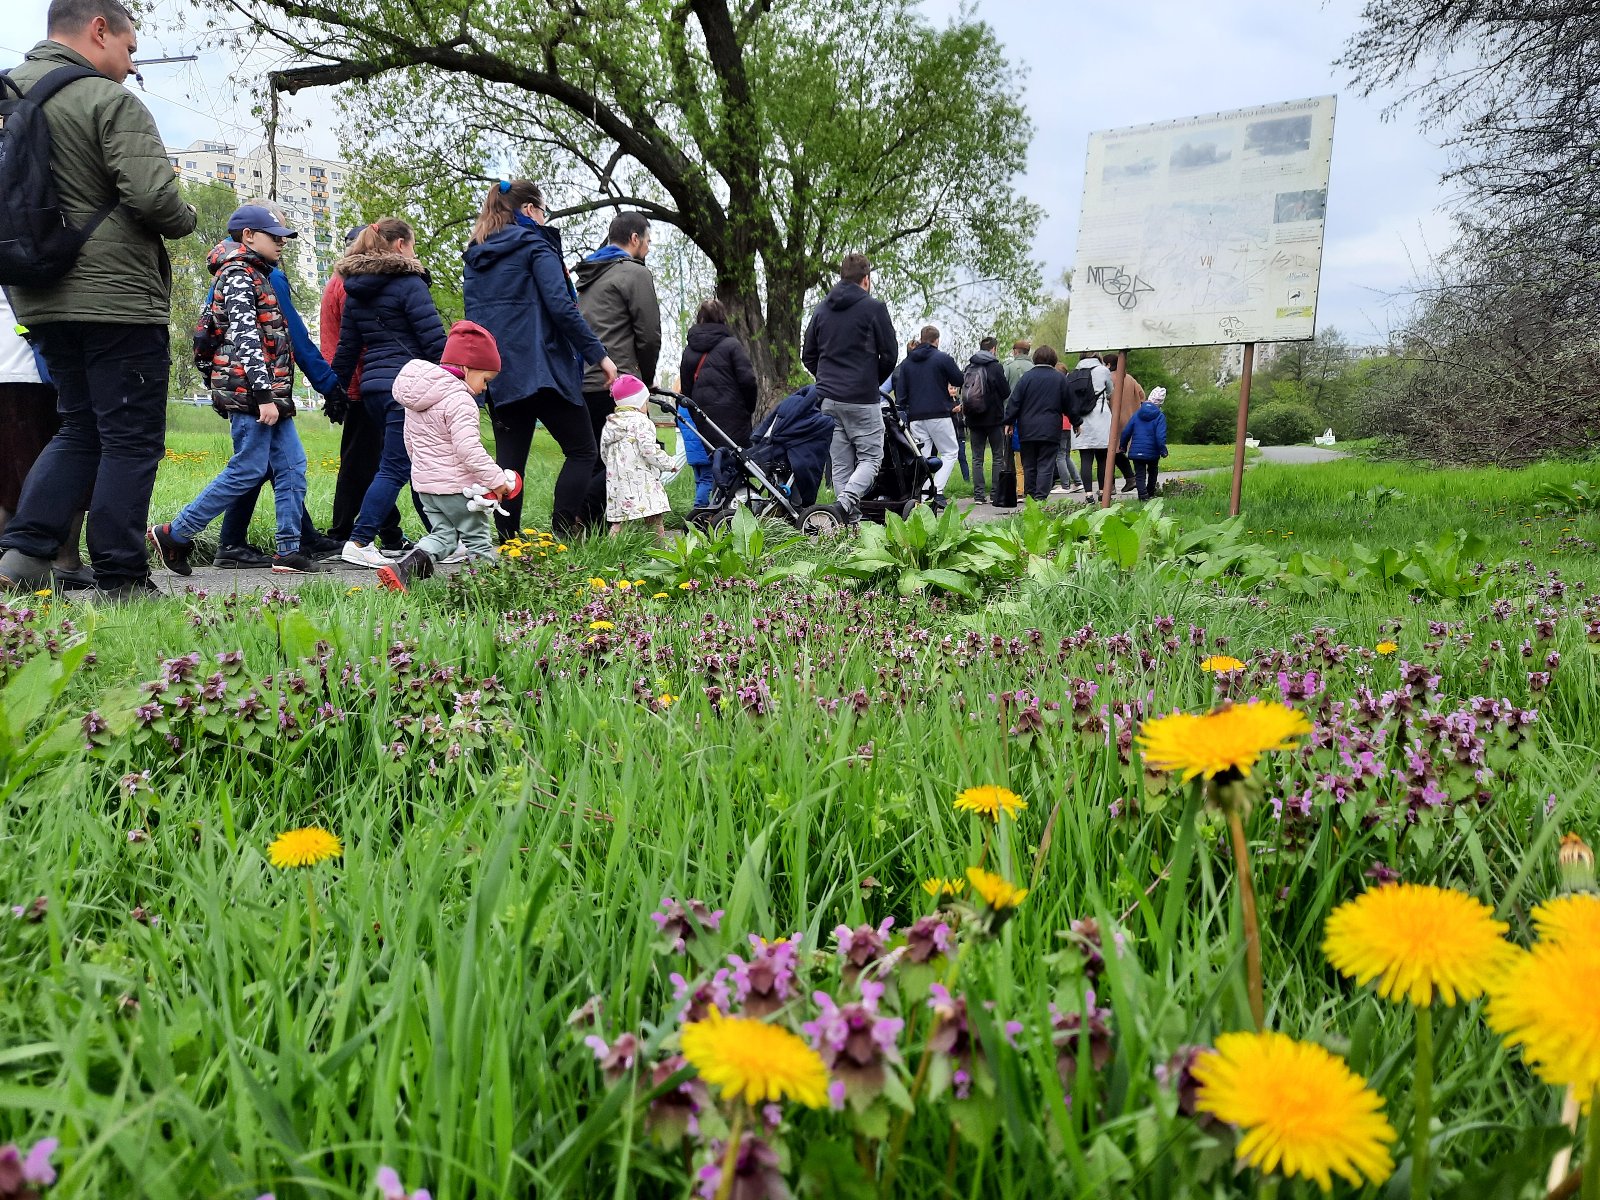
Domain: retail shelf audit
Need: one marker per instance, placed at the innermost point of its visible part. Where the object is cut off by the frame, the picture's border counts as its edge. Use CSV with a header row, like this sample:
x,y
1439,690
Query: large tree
x,y
776,134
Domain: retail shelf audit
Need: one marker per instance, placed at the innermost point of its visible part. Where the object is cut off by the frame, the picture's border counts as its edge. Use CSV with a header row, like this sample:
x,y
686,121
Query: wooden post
x,y
1241,430
1116,428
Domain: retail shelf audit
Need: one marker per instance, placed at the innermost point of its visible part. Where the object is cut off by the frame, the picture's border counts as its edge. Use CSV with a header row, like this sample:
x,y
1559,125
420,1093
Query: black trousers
x,y
1088,462
1147,476
111,388
987,439
360,449
569,423
600,406
1039,468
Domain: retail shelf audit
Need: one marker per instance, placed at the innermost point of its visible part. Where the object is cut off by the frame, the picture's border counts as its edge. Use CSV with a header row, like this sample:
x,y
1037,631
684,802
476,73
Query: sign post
x,y
1117,381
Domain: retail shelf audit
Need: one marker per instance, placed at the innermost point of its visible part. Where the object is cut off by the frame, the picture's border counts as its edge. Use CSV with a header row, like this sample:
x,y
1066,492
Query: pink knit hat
x,y
629,391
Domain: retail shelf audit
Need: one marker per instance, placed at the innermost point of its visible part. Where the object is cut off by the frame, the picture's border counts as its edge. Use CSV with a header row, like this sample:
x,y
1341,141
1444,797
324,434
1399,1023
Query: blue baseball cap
x,y
260,218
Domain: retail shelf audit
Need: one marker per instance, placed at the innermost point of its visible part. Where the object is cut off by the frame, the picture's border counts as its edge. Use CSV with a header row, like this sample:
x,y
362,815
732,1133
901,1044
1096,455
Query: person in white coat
x,y
1092,436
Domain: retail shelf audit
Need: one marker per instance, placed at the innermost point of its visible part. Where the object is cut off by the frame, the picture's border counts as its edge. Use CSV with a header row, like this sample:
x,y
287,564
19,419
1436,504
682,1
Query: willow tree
x,y
776,134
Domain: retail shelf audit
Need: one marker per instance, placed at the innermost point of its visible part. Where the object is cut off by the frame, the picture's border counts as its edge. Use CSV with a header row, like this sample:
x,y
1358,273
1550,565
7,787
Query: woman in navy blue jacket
x,y
389,319
516,287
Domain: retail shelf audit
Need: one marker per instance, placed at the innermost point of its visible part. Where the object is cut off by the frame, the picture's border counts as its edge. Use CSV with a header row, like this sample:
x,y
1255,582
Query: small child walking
x,y
1144,440
450,469
635,463
251,375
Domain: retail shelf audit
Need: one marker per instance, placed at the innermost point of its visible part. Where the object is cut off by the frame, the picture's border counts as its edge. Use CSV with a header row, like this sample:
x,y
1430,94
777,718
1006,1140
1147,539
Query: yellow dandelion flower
x,y
638,583
1222,662
1569,919
601,625
623,585
686,586
353,590
997,893
1299,1109
44,592
990,801
531,532
1227,740
661,596
561,547
938,886
1417,941
1386,648
666,699
304,847
1548,1003
754,1061
598,584
511,551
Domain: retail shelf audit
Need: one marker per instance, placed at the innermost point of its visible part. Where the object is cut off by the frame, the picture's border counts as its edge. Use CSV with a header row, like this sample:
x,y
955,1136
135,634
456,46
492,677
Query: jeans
x,y
394,467
961,451
568,423
1066,473
990,439
111,385
857,450
236,520
360,449
1038,469
1147,476
450,521
600,406
704,481
257,449
938,436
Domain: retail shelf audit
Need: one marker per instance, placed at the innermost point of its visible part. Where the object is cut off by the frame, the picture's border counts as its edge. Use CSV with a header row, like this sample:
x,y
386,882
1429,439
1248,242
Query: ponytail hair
x,y
501,205
381,235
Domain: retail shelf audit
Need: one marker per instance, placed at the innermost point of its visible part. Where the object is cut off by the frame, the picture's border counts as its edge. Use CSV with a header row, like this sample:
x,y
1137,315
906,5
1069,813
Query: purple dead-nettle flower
x,y
32,913
135,836
231,660
766,982
1177,1073
862,945
615,1060
772,1116
19,1172
854,1040
676,1113
1067,1032
755,1171
135,783
680,924
928,938
144,916
147,714
388,1183
702,996
951,1036
1381,874
587,1013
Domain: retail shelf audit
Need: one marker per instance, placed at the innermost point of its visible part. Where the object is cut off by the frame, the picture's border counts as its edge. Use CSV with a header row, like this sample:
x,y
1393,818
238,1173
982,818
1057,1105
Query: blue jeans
x,y
703,483
236,521
257,451
394,467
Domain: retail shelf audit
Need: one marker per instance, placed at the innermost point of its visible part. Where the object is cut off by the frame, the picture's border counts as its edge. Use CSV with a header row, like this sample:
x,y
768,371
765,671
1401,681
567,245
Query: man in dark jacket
x,y
1037,405
617,297
849,347
102,327
922,386
986,424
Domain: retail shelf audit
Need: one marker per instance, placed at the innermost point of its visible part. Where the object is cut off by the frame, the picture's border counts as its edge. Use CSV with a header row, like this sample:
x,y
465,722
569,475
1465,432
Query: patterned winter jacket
x,y
255,358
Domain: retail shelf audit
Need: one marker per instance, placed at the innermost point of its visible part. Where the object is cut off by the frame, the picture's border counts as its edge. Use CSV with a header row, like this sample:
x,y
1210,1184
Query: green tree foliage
x,y
776,135
191,278
1284,423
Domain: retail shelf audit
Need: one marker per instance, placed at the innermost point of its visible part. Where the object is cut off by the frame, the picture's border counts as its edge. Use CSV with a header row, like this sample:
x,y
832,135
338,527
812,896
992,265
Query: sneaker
x,y
459,556
322,549
79,579
293,563
23,572
241,558
395,577
976,500
363,556
405,547
172,554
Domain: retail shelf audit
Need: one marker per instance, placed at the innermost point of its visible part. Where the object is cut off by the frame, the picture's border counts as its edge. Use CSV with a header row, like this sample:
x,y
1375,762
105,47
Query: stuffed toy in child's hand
x,y
482,499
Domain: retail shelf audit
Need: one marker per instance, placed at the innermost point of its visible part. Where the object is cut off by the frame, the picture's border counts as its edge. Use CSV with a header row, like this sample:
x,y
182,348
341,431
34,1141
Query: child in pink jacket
x,y
450,469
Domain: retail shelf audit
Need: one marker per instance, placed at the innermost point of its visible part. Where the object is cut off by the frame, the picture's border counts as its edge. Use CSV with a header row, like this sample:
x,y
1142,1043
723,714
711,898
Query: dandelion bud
x,y
1577,864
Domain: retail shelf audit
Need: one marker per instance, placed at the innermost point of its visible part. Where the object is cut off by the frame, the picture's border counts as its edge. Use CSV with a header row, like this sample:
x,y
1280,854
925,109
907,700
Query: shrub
x,y
1284,424
1215,420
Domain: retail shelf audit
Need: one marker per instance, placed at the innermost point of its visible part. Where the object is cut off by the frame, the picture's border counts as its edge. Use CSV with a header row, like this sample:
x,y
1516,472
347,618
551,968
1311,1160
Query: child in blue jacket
x,y
1144,440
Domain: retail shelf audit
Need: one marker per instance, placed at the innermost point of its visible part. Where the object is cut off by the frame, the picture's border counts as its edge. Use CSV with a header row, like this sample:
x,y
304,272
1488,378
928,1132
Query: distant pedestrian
x,y
1020,362
849,348
617,297
1066,470
516,287
102,327
251,377
985,389
696,456
1128,401
923,386
389,319
635,463
451,472
717,374
1093,433
1144,438
1034,412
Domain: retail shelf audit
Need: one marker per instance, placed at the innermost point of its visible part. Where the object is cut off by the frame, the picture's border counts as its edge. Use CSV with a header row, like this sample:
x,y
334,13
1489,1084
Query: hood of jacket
x,y
230,251
1147,412
420,385
509,241
982,359
706,337
365,275
845,295
590,270
922,353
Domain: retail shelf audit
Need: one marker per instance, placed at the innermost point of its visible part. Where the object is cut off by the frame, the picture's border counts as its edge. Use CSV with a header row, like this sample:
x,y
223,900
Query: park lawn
x,y
522,764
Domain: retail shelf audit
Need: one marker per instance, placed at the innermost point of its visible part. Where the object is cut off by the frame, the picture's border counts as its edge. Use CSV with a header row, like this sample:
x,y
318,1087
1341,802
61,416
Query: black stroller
x,y
905,478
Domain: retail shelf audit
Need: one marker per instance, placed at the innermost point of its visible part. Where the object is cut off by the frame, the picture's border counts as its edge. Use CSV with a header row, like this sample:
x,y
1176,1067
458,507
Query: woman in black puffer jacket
x,y
716,373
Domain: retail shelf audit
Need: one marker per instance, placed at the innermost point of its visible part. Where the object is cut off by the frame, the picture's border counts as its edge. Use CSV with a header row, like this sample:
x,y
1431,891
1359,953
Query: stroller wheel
x,y
821,520
719,521
908,508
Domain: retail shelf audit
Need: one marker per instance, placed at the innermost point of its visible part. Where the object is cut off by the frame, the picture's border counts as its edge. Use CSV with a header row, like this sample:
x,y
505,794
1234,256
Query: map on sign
x,y
1203,231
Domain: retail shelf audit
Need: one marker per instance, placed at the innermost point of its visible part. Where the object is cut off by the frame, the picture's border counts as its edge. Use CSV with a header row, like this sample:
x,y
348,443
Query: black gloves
x,y
336,406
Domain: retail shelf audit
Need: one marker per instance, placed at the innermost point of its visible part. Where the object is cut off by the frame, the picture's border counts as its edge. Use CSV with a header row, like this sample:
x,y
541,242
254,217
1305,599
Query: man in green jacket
x,y
102,328
1020,362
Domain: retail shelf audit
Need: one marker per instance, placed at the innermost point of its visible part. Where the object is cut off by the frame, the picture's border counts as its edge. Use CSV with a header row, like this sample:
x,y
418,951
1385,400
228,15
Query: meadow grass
x,y
516,796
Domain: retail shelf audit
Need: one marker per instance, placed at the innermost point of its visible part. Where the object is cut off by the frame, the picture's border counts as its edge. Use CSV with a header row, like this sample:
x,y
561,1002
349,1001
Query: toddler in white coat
x,y
635,462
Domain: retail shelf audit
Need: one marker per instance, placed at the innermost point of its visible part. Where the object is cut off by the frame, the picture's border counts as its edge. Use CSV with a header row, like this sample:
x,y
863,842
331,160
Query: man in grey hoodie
x,y
617,297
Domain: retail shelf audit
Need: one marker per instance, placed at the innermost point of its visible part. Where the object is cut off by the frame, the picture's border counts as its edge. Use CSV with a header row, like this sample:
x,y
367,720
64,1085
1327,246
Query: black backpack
x,y
975,390
1081,396
37,245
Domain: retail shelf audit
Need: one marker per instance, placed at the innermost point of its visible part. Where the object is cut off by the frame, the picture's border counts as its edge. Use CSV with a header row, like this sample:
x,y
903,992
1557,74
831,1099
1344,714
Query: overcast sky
x,y
1157,60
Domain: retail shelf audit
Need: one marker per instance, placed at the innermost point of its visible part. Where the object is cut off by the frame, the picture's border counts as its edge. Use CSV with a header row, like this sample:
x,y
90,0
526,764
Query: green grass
x,y
515,800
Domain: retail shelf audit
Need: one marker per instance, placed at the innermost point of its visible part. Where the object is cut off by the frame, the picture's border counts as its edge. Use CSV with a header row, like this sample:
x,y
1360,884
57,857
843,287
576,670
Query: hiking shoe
x,y
79,579
170,552
125,593
1128,485
391,551
293,563
23,572
358,555
396,576
322,549
241,558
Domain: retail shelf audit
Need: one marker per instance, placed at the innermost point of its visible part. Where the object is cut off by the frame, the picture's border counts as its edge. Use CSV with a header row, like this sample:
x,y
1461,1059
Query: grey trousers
x,y
1066,472
857,450
453,521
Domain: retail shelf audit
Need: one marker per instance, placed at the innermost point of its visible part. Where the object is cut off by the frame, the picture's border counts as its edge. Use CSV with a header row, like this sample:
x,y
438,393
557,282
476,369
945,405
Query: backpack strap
x,y
43,89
